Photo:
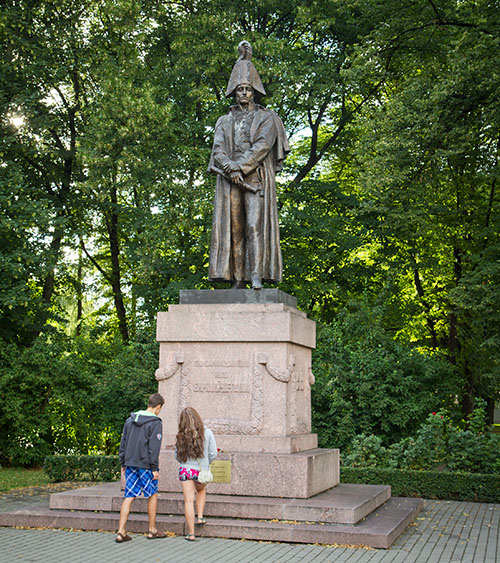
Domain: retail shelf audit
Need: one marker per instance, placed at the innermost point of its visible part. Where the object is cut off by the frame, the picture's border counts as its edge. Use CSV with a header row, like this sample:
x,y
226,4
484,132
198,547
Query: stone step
x,y
378,530
344,504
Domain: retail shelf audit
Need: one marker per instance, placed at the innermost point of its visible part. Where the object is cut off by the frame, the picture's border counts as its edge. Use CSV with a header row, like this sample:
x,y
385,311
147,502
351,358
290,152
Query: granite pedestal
x,y
242,358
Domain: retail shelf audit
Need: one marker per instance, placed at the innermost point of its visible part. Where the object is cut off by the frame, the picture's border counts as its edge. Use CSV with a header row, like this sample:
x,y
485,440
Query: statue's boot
x,y
256,283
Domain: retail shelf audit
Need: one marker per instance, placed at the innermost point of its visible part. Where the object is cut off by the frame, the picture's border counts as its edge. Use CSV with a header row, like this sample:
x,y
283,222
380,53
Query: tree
x,y
366,382
429,170
41,83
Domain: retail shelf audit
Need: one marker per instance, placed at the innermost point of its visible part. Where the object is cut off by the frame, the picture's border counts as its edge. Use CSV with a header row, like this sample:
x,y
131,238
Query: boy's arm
x,y
154,445
123,444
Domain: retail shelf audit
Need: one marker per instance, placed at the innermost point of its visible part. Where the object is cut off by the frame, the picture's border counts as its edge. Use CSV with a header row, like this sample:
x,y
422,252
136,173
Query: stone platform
x,y
347,514
225,296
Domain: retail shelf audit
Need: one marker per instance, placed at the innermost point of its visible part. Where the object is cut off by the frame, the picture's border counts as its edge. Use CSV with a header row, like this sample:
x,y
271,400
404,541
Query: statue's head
x,y
244,73
244,94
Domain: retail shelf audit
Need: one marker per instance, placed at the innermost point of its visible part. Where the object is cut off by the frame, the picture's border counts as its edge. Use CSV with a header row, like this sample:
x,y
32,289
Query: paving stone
x,y
445,532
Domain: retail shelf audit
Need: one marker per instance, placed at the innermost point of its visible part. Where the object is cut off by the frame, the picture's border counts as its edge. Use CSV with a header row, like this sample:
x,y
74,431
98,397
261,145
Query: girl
x,y
195,448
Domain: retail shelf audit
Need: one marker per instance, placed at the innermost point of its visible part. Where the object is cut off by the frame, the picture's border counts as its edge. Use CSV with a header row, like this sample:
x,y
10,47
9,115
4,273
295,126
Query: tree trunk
x,y
431,324
114,246
79,292
48,284
490,409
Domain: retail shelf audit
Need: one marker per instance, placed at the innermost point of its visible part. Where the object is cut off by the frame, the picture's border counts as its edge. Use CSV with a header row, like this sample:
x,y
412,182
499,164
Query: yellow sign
x,y
221,471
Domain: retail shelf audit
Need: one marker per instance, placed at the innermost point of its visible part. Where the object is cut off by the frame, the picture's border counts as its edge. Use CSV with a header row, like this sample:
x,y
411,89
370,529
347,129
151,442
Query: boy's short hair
x,y
155,399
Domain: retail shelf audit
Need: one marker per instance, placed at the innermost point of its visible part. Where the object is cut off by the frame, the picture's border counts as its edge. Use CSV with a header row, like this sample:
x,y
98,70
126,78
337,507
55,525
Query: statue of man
x,y
249,147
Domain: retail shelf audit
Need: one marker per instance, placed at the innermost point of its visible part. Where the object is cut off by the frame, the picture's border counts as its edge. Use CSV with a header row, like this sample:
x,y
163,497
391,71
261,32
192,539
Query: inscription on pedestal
x,y
233,388
213,380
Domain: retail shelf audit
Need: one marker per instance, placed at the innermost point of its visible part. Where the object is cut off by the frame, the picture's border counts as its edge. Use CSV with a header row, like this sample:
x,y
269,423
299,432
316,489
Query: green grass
x,y
18,477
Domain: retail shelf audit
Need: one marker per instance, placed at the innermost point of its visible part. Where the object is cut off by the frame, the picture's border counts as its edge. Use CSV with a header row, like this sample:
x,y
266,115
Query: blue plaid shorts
x,y
139,480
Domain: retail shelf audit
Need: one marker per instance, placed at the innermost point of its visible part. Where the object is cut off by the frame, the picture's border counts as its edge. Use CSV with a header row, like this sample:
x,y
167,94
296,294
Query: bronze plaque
x,y
221,471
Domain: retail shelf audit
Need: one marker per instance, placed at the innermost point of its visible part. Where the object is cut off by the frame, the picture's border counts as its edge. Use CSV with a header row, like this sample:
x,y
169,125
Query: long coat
x,y
269,147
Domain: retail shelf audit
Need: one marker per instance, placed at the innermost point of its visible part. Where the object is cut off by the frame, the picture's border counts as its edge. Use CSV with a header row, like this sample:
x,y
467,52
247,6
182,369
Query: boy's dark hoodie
x,y
141,441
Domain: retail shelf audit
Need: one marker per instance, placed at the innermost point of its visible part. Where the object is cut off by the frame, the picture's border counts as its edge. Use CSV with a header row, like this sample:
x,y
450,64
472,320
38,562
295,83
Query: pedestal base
x,y
299,475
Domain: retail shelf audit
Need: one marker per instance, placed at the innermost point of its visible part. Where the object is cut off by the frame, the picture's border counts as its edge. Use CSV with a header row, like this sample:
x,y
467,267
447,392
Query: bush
x,y
46,398
367,451
126,381
368,383
474,452
428,484
70,397
82,467
438,444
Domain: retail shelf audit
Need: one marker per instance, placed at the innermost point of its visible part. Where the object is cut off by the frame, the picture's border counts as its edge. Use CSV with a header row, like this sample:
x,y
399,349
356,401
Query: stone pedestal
x,y
242,358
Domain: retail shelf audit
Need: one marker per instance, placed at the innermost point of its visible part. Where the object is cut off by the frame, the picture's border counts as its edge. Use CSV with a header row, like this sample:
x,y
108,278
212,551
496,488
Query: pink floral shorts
x,y
188,474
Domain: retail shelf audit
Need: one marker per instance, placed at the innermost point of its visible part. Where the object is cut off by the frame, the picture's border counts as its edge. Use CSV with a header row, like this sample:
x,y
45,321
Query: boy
x,y
139,453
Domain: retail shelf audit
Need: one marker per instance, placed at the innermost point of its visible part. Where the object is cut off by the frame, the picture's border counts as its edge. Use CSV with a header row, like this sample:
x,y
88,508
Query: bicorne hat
x,y
244,72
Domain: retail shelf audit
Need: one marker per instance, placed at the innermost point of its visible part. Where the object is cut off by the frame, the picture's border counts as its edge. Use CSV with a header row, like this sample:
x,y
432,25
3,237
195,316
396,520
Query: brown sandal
x,y
156,535
120,538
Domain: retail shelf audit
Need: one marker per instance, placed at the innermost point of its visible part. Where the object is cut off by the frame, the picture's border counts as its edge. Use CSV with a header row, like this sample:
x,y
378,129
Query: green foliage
x,y
428,171
469,451
319,235
367,451
428,484
62,396
82,468
45,395
124,385
439,444
366,382
477,422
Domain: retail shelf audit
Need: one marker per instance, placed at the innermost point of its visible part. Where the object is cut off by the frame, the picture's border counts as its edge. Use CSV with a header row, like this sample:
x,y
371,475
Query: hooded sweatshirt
x,y
141,440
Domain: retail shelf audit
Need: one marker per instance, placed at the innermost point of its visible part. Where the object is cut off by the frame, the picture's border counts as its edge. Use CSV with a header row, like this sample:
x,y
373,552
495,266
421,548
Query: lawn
x,y
18,477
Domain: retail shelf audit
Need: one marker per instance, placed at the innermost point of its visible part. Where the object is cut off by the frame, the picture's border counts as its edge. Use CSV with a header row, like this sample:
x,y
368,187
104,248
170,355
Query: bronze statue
x,y
249,147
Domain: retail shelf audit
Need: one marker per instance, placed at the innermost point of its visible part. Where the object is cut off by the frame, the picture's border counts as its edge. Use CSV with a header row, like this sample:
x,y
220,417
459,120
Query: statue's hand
x,y
230,167
236,177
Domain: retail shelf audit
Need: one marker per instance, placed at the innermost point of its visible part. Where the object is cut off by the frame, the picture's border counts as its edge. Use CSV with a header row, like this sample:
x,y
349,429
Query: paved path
x,y
444,532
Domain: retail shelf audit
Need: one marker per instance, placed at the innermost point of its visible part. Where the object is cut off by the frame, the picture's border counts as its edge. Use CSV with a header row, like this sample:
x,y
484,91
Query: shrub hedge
x,y
444,485
82,467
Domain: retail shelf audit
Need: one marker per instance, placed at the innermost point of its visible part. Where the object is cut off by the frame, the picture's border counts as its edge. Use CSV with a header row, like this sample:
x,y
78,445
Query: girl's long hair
x,y
190,436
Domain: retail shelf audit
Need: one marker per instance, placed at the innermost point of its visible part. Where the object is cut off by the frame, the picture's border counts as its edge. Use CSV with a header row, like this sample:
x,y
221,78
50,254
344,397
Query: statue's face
x,y
244,94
